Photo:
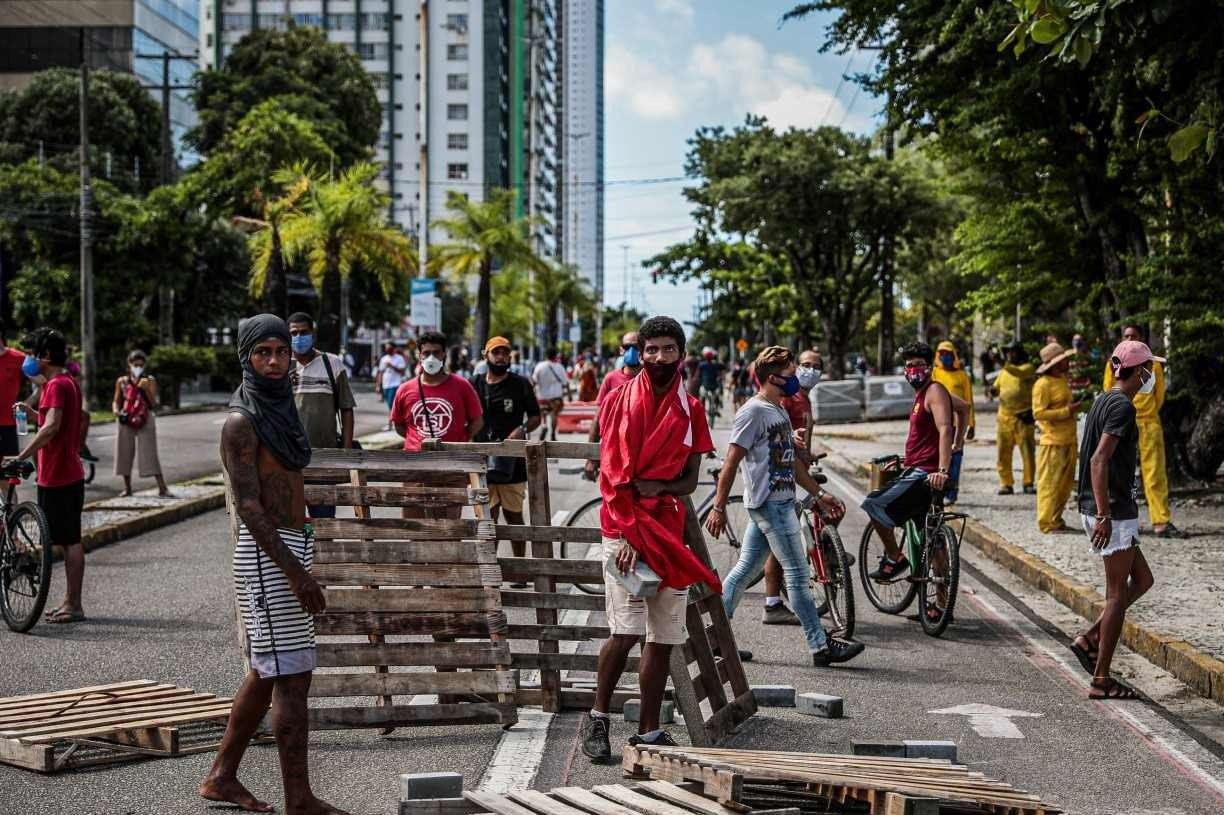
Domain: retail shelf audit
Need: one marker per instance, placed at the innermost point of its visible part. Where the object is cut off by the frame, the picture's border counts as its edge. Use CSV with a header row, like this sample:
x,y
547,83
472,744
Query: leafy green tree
x,y
269,278
338,225
617,322
124,126
558,289
484,237
316,80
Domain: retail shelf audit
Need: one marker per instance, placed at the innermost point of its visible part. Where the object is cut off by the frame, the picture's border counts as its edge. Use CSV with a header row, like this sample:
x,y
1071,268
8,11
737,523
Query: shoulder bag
x,y
331,380
501,468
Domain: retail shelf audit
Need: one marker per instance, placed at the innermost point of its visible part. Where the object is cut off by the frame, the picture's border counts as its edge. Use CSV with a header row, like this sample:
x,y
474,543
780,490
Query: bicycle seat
x,y
819,477
714,471
818,456
17,469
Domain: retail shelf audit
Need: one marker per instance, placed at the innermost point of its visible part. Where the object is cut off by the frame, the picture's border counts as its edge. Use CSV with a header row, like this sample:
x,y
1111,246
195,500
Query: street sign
x,y
575,334
424,306
741,345
990,721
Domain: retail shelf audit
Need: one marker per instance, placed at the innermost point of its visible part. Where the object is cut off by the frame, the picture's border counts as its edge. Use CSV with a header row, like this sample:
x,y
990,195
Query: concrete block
x,y
917,748
439,806
633,711
414,786
818,704
887,749
774,695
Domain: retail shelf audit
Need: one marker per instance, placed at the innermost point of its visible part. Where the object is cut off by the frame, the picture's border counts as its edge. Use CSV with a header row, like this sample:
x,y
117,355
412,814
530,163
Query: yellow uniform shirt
x,y
1147,405
1015,386
1052,410
958,384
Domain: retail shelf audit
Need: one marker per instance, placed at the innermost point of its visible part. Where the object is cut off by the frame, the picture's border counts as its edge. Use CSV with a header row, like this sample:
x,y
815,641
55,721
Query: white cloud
x,y
680,8
639,84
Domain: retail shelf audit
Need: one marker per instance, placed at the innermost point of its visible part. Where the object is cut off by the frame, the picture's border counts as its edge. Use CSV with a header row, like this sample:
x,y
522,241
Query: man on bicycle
x,y
938,421
710,373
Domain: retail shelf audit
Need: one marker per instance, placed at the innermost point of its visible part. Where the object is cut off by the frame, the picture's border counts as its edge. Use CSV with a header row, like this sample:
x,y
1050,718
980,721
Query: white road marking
x,y
518,755
989,721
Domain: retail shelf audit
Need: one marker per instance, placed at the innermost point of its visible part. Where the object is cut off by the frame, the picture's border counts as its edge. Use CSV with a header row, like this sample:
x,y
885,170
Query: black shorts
x,y
63,507
905,499
8,441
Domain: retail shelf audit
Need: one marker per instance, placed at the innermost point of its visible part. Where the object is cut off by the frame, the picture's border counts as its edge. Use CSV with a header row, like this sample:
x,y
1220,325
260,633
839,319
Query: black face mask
x,y
498,368
660,374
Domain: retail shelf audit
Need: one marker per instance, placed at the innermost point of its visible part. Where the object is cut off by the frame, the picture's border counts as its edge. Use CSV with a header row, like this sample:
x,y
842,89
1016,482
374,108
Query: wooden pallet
x,y
49,732
710,687
435,576
886,786
648,798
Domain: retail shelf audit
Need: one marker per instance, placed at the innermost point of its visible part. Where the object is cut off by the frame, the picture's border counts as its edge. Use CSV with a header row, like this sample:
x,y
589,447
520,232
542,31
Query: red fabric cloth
x,y
922,443
448,410
611,382
797,407
10,384
59,461
651,440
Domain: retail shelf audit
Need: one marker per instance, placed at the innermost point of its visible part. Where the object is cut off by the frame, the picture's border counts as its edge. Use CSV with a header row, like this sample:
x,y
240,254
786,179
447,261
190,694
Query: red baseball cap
x,y
1132,353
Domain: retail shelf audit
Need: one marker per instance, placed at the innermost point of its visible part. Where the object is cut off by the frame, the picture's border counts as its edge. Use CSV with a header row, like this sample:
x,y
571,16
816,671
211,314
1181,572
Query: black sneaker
x,y
594,733
664,740
1171,531
837,651
779,615
1029,489
889,568
850,558
1006,491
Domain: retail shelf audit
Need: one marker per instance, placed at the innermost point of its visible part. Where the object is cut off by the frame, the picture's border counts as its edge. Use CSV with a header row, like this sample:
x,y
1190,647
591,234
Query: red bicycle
x,y
831,577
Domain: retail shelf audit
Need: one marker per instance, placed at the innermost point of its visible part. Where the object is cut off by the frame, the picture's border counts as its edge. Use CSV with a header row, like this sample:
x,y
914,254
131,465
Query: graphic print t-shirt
x,y
764,430
447,410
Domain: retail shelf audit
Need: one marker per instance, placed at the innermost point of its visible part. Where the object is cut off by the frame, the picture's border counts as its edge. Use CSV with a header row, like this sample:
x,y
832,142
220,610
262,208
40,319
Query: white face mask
x,y
137,370
808,377
1149,385
431,365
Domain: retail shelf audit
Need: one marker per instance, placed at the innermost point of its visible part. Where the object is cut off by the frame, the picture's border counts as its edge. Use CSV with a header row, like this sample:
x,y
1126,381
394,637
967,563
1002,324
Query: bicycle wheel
x,y
586,516
89,471
25,566
725,549
889,596
839,587
941,573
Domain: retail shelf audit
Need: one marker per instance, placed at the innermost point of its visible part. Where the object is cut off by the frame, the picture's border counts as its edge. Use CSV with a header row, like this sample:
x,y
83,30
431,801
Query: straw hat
x,y
1053,354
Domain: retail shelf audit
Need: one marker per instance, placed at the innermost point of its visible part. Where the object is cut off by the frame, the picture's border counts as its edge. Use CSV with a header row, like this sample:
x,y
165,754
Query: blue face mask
x,y
945,359
633,357
790,385
301,343
30,366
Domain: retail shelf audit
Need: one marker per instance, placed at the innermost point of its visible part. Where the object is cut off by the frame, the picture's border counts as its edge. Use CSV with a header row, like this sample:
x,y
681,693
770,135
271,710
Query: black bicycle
x,y
933,553
25,553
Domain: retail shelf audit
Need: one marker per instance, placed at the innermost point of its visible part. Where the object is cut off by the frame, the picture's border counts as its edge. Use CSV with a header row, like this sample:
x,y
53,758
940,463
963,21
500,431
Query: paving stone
x,y
633,711
774,695
887,749
819,704
414,786
918,748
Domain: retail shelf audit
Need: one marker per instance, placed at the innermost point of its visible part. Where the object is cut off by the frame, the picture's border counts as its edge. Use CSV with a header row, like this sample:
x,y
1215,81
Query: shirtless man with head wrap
x,y
263,449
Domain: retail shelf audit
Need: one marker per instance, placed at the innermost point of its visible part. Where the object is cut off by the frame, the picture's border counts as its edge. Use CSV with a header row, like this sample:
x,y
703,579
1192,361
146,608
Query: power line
x,y
840,81
649,234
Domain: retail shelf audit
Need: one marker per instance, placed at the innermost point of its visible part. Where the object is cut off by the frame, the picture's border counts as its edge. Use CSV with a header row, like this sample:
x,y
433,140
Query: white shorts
x,y
1123,535
659,618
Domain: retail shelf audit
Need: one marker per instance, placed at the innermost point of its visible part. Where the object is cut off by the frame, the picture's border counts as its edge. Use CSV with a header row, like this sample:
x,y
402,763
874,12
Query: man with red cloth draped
x,y
654,435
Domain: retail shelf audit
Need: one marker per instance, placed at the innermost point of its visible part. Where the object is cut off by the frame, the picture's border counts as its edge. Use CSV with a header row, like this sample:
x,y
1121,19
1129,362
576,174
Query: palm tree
x,y
560,288
341,223
484,235
269,280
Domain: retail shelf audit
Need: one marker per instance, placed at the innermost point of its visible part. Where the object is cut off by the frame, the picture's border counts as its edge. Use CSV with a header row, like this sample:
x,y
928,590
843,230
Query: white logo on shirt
x,y
438,422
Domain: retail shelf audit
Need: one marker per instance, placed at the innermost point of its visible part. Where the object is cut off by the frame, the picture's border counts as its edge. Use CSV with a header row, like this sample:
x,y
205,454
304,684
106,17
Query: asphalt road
x,y
187,444
160,609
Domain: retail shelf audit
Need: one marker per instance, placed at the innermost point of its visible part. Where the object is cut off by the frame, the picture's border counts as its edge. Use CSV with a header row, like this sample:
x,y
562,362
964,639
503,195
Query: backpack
x,y
135,405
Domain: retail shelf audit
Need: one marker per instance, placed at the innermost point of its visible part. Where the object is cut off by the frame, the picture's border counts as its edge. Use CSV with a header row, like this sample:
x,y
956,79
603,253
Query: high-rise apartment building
x,y
123,35
470,89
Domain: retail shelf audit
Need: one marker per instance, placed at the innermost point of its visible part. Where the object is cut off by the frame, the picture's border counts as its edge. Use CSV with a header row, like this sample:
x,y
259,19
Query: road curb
x,y
1198,669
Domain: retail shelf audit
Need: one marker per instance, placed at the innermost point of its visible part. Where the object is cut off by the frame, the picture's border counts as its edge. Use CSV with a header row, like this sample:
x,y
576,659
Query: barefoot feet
x,y
231,791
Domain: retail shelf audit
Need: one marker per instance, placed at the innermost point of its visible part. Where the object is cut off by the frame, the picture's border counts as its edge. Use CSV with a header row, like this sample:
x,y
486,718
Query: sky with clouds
x,y
672,66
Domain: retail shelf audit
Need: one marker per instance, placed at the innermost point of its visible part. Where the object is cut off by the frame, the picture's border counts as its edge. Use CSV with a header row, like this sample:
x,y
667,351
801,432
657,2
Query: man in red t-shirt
x,y
10,386
632,356
61,479
436,404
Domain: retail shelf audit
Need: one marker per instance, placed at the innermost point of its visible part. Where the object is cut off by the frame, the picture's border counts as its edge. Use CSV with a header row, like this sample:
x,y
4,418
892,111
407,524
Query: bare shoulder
x,y
238,433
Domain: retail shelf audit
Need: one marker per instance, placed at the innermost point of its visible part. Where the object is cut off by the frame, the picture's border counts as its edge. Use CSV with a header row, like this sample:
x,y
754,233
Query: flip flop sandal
x,y
1114,690
1087,659
51,613
62,617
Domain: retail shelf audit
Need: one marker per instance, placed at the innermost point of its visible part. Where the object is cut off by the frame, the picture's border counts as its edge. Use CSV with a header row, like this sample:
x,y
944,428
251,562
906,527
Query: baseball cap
x,y
1130,353
496,342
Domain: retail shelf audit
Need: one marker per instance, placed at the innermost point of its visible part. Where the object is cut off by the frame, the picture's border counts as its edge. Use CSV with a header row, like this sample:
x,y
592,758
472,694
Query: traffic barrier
x,y
576,417
838,400
887,397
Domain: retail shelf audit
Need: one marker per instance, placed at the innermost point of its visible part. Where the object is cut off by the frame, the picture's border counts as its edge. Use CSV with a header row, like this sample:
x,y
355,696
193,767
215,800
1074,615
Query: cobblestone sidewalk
x,y
1187,601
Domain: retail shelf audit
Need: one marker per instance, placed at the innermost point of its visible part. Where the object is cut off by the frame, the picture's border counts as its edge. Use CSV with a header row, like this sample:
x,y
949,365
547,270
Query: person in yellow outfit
x,y
1014,389
1151,444
1055,410
950,372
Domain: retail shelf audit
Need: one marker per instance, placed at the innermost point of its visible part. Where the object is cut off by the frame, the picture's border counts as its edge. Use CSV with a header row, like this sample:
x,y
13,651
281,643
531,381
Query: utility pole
x,y
888,328
89,374
625,277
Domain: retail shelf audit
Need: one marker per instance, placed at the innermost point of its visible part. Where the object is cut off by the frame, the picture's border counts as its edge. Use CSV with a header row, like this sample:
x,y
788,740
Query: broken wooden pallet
x,y
649,798
82,727
814,780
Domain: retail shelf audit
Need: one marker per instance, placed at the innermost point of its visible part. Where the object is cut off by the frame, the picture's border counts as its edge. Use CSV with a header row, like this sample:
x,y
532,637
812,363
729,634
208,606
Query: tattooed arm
x,y
239,452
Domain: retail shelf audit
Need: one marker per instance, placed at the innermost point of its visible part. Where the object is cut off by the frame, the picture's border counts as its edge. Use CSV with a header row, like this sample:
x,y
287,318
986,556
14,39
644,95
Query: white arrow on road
x,y
990,721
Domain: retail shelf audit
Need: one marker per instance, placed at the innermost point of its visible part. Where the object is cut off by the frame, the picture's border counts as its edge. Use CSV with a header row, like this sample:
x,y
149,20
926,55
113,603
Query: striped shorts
x,y
279,632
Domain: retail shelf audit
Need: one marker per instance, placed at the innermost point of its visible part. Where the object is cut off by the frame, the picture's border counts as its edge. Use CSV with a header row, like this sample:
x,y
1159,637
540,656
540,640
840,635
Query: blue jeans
x,y
775,527
388,395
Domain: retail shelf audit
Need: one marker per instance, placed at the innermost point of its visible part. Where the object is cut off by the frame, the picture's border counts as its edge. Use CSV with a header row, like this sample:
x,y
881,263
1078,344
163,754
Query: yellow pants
x,y
1152,467
1012,432
1055,480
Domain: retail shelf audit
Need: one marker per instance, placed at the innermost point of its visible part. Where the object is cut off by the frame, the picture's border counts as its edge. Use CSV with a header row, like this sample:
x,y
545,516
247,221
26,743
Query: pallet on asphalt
x,y
102,724
650,798
880,786
709,685
432,575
